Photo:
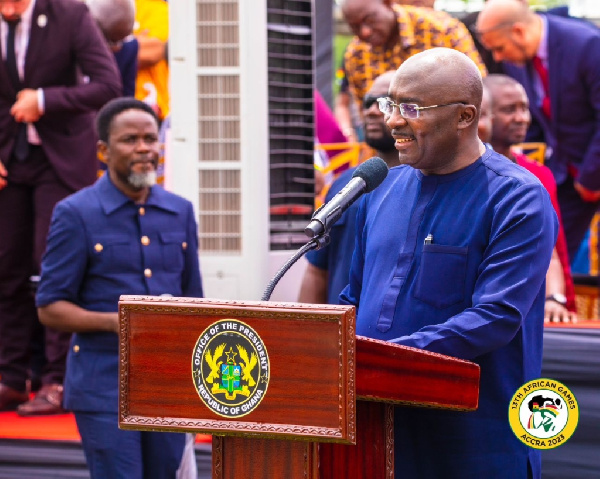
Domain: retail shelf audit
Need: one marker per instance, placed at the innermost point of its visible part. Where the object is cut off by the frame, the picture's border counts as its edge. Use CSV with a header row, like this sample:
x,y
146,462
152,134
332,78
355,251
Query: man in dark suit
x,y
557,60
470,21
56,72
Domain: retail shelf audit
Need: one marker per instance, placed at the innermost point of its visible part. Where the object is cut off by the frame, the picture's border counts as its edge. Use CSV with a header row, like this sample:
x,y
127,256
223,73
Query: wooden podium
x,y
277,384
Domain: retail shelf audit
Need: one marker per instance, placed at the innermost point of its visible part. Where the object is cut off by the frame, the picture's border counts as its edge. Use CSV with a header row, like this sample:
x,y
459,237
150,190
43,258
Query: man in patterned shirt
x,y
387,34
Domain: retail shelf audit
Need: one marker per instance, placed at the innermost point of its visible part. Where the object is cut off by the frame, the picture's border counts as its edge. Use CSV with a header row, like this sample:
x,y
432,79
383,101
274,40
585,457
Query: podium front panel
x,y
303,366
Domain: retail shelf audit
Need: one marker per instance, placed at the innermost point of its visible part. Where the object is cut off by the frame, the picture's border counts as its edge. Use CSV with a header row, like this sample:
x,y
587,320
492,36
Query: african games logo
x,y
543,413
230,368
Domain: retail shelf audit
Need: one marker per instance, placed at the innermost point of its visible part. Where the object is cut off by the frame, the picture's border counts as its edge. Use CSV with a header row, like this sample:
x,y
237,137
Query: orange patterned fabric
x,y
420,29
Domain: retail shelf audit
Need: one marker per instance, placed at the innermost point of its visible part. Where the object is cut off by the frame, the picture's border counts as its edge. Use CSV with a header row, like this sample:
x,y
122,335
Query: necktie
x,y
21,147
542,72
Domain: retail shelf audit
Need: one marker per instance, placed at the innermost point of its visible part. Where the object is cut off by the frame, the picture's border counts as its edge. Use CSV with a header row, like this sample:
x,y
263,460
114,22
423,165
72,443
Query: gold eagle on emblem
x,y
214,363
249,363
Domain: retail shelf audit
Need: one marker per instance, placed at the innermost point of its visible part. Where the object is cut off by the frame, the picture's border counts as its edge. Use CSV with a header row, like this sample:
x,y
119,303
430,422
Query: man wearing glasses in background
x,y
451,255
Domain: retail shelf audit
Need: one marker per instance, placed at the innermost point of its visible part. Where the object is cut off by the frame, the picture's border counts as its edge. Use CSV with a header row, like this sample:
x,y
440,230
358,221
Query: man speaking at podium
x,y
451,255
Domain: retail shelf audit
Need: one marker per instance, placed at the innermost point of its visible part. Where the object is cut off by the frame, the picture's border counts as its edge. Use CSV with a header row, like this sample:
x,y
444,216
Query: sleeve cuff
x,y
40,100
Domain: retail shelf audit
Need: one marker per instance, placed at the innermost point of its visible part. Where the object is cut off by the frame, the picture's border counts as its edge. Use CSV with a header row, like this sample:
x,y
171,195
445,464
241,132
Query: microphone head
x,y
373,172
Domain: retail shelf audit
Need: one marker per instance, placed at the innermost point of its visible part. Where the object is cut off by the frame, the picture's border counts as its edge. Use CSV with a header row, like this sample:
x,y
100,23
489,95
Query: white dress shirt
x,y
21,42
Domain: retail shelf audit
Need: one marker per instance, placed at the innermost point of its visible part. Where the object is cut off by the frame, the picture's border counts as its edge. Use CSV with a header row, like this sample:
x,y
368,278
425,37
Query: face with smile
x,y
132,151
430,142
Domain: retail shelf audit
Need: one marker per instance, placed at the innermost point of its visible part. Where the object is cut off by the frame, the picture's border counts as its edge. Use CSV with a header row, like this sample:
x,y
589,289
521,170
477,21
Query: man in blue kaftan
x,y
451,255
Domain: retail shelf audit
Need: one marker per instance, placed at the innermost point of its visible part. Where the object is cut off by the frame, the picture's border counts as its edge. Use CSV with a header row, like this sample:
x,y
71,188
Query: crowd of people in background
x,y
508,38
499,78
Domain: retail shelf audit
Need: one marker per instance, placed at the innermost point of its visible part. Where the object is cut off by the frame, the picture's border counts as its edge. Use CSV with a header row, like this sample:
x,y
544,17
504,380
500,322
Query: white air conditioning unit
x,y
241,140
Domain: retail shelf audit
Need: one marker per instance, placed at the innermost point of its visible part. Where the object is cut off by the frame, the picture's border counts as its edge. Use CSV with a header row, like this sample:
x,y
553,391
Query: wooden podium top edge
x,y
207,302
364,341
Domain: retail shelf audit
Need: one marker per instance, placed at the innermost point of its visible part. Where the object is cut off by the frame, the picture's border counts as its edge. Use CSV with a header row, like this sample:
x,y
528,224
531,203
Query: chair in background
x,y
535,151
349,155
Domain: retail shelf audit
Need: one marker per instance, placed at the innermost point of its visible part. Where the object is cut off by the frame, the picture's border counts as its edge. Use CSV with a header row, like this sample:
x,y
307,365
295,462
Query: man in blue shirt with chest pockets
x,y
122,235
451,256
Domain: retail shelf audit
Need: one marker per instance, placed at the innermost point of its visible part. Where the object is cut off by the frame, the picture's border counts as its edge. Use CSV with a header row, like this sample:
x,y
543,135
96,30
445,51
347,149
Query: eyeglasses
x,y
410,111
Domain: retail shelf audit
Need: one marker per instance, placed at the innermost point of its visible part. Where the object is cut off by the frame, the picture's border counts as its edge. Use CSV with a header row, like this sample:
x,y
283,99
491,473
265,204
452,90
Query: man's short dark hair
x,y
113,108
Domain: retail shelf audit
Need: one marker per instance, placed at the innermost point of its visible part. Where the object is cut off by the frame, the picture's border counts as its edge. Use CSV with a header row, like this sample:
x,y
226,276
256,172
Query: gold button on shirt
x,y
98,247
142,211
145,240
148,273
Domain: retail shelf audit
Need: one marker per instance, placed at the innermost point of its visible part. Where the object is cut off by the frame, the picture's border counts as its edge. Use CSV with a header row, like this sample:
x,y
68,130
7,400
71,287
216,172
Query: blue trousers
x,y
113,453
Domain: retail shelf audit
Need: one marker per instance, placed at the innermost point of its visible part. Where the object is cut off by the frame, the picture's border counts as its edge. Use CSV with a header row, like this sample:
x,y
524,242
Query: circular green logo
x,y
543,413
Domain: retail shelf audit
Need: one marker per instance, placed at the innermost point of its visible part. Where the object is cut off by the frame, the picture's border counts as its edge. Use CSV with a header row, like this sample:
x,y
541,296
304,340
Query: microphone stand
x,y
317,242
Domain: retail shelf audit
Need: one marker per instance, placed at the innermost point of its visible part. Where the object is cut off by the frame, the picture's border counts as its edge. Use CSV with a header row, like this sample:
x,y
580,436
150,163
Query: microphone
x,y
368,176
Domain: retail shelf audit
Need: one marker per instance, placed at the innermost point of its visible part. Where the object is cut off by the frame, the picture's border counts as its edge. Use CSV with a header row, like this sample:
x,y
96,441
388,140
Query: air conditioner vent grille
x,y
291,120
219,224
